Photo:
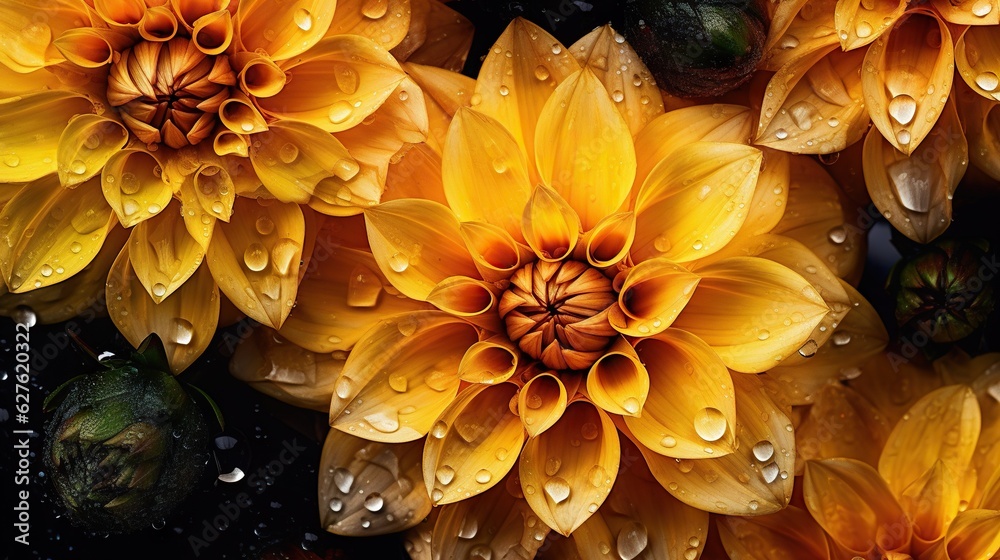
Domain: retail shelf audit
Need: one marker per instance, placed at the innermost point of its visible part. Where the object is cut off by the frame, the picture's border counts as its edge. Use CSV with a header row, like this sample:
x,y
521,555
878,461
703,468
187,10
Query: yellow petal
x,y
943,425
490,525
447,90
854,506
51,233
485,175
668,133
973,534
859,23
120,13
982,120
740,309
813,105
393,386
859,336
489,361
86,144
163,254
689,205
808,26
198,221
258,271
541,403
416,175
240,115
781,15
690,412
594,176
509,89
365,75
285,371
27,28
970,12
618,382
213,33
473,444
383,21
32,127
448,40
159,23
570,467
650,296
815,217
610,240
914,192
291,158
494,251
90,47
133,186
417,243
770,197
214,187
185,321
16,83
841,423
756,478
366,488
788,534
894,383
914,58
931,502
550,225
282,30
623,74
258,75
466,297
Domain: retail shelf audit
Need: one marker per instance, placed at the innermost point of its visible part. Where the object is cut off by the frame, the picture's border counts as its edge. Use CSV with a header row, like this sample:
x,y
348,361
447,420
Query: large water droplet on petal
x,y
632,540
255,257
902,108
557,489
763,450
710,424
343,479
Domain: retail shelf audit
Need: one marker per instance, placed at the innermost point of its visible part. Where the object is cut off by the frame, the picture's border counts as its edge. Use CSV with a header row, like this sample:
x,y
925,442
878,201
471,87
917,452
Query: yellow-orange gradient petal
x,y
550,225
86,144
286,371
813,104
291,158
567,471
982,119
401,376
912,70
753,312
283,30
970,12
27,28
855,506
489,361
133,186
163,254
518,75
756,478
690,411
610,240
618,382
808,26
445,93
447,38
484,172
943,425
859,23
473,444
583,148
50,232
185,321
33,125
494,251
650,296
973,534
621,70
931,502
789,534
389,501
541,403
770,197
364,75
914,192
841,423
258,271
417,243
690,205
383,21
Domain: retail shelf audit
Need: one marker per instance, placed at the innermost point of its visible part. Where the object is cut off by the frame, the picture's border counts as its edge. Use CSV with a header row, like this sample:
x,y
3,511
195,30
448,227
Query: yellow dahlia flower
x,y
840,65
206,128
561,263
904,467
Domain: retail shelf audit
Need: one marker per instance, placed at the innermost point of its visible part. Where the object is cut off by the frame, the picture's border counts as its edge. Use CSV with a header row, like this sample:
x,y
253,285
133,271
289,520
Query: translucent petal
x,y
931,502
291,158
383,21
163,254
134,187
86,144
650,296
541,403
618,382
33,124
859,23
808,26
283,30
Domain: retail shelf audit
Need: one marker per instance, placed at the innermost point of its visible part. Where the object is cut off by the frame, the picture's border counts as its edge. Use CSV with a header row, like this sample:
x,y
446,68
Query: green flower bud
x,y
940,290
126,444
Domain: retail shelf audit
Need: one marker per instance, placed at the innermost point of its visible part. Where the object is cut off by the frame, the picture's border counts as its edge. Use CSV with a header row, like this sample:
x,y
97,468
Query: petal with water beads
x,y
907,78
973,534
259,272
618,382
914,191
814,105
770,196
50,232
89,47
650,296
550,225
86,144
447,40
753,312
282,30
473,444
859,23
943,425
609,242
690,411
402,374
855,506
494,251
808,26
291,158
383,21
789,534
567,471
33,126
134,187
977,56
970,12
370,488
623,74
489,361
931,502
163,254
185,321
756,478
417,244
841,423
541,403
28,27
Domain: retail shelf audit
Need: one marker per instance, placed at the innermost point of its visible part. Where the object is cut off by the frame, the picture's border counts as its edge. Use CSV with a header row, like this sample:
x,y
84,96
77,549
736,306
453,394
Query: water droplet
x,y
78,167
710,424
902,108
75,248
500,165
863,30
763,450
764,334
344,387
781,134
374,502
982,8
669,441
903,137
284,254
552,466
808,350
803,114
988,80
343,479
264,225
445,475
631,405
484,476
837,234
11,160
288,153
129,183
770,472
399,262
340,112
617,96
542,73
557,489
590,431
303,19
439,430
255,257
46,270
385,421
632,540
469,528
556,48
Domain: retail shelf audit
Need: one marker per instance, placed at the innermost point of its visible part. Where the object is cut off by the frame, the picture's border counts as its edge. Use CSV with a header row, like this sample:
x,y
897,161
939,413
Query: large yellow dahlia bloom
x,y
841,65
205,126
562,263
903,464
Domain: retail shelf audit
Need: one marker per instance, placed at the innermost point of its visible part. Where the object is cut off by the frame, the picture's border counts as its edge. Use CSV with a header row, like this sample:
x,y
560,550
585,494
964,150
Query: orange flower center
x,y
557,313
169,92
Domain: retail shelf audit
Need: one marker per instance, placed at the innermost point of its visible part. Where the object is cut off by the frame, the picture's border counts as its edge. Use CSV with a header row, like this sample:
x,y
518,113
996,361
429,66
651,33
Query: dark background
x,y
283,514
